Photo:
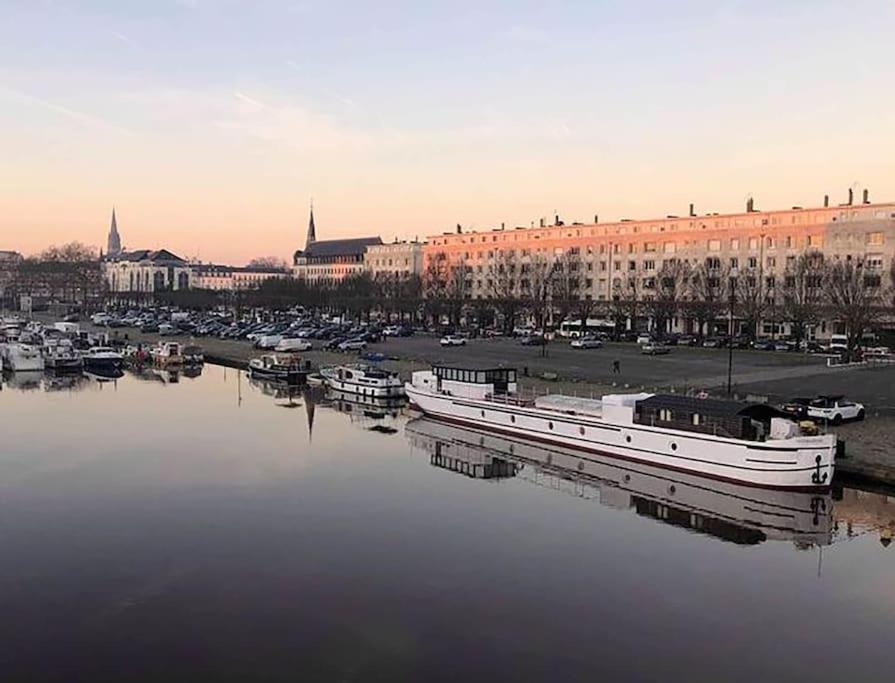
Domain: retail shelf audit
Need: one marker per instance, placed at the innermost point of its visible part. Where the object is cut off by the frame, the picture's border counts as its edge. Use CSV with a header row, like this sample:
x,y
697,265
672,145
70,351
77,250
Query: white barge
x,y
363,380
751,444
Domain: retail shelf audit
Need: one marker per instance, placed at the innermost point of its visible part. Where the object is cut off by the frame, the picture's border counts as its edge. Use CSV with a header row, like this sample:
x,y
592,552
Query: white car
x,y
391,331
586,343
166,330
293,344
453,340
268,341
352,345
835,409
643,339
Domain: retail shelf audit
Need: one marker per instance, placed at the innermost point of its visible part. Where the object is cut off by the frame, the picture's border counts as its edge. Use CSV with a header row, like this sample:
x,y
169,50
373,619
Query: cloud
x,y
84,118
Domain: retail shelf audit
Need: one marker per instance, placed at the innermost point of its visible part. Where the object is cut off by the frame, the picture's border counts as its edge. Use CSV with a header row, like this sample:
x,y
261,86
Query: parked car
x,y
149,328
452,340
763,345
167,330
293,345
352,345
687,340
533,340
654,349
586,342
797,407
643,339
714,343
835,409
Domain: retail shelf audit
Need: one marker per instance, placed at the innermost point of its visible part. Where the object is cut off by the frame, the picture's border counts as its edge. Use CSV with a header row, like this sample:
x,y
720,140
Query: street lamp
x,y
732,282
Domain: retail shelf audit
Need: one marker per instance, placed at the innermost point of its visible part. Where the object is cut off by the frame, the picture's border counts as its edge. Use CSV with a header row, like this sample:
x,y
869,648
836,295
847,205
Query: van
x,y
838,342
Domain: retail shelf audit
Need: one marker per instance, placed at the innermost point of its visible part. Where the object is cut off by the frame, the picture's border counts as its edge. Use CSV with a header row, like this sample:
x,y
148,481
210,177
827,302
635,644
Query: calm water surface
x,y
211,529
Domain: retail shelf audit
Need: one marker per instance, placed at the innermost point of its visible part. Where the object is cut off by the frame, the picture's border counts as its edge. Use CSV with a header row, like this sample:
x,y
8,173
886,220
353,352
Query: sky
x,y
210,125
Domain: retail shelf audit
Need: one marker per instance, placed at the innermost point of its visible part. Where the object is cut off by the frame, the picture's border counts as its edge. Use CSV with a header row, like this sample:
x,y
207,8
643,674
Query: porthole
x,y
513,419
581,431
628,438
580,465
483,413
673,446
550,425
672,489
627,478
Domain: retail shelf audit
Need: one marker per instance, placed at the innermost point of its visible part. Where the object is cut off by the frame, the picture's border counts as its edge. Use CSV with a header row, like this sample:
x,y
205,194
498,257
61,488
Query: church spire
x,y
312,231
114,243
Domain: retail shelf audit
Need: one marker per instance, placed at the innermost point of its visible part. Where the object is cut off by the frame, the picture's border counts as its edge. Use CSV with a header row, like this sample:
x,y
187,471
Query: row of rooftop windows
x,y
873,239
575,230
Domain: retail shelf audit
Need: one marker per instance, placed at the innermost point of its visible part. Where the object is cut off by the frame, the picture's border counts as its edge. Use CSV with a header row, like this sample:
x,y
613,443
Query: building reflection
x,y
729,512
858,513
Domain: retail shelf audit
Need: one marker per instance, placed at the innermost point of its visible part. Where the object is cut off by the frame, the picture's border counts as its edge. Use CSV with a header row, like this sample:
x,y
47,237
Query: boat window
x,y
550,425
665,414
348,375
480,377
696,419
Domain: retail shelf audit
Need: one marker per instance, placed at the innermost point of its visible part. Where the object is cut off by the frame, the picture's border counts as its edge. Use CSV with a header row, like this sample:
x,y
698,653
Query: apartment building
x,y
397,259
613,256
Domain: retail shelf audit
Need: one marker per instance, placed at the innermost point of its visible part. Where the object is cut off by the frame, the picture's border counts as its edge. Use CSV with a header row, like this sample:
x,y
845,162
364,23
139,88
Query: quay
x,y
757,375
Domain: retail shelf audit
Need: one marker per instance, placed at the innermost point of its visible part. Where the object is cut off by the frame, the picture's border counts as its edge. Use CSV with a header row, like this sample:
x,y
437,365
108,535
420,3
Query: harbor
x,y
564,370
285,499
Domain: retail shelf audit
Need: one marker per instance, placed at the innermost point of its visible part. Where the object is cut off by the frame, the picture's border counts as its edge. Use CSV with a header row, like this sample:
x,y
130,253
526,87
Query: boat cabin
x,y
469,381
731,419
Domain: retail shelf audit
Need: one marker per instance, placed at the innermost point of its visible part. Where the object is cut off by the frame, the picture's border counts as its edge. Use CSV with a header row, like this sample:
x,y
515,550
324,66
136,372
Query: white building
x,y
145,271
231,278
398,259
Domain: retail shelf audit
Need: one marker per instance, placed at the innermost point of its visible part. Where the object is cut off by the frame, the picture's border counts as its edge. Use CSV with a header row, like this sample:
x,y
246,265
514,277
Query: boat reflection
x,y
730,512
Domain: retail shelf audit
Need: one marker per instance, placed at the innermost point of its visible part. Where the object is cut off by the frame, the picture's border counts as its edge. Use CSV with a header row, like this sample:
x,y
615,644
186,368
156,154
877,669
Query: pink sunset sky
x,y
211,125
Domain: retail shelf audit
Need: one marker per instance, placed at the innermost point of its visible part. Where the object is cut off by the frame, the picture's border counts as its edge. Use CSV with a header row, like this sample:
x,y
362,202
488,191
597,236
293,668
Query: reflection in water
x,y
857,513
739,514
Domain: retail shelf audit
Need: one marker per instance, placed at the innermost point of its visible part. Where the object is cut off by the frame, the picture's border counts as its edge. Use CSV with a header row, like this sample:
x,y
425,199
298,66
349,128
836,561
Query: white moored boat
x,y
167,353
22,358
363,380
748,443
60,356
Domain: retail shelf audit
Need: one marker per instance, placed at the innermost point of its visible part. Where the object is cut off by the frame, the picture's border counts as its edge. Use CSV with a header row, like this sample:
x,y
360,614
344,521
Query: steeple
x,y
312,232
114,244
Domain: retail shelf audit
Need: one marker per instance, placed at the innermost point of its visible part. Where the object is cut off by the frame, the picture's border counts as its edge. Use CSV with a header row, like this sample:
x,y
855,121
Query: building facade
x,y
232,278
330,260
628,255
397,259
145,271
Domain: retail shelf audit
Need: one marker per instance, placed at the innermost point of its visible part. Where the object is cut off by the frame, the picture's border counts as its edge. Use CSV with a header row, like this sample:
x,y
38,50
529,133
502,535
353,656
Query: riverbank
x,y
756,374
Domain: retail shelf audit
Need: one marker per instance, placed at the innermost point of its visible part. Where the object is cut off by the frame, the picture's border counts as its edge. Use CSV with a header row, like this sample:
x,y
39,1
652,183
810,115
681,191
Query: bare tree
x,y
854,294
268,262
625,303
801,296
504,286
749,299
435,285
565,284
535,283
664,295
706,296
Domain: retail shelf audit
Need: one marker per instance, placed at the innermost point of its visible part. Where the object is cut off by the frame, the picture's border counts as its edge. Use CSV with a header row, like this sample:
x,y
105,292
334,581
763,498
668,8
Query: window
x,y
734,262
665,414
875,238
649,247
670,247
815,240
632,265
735,245
753,262
714,245
695,419
753,243
649,265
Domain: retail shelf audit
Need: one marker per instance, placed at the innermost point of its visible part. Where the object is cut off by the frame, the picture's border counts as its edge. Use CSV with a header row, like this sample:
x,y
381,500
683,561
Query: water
x,y
209,529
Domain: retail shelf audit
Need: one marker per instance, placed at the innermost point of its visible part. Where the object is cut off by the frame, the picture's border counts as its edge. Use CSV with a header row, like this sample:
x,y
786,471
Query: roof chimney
x,y
826,200
866,196
851,196
750,205
557,221
542,222
596,218
503,225
459,229
692,211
